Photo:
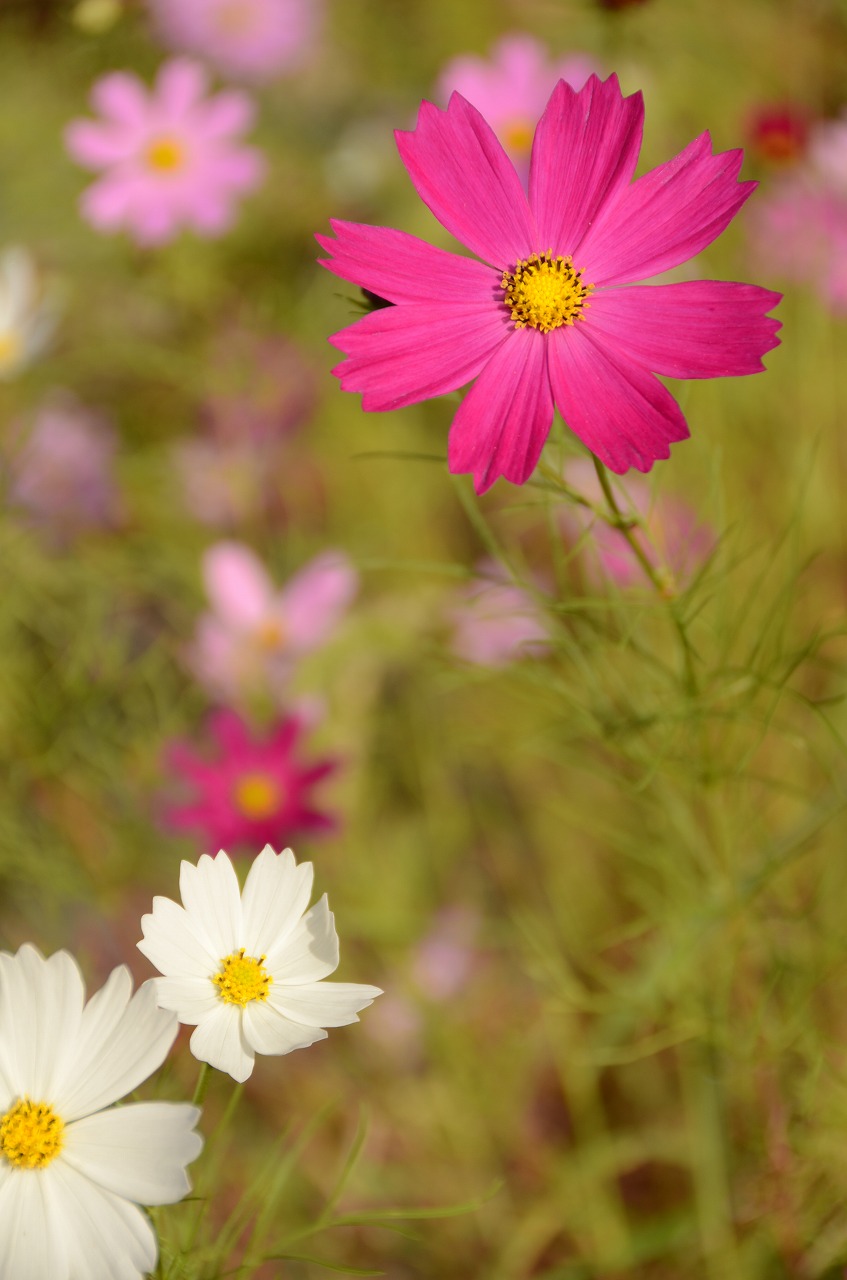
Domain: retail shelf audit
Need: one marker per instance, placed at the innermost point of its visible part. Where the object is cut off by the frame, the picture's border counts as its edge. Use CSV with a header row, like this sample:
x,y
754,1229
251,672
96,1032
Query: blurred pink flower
x,y
255,633
799,226
171,157
254,791
62,470
675,539
495,622
244,39
443,961
510,89
778,133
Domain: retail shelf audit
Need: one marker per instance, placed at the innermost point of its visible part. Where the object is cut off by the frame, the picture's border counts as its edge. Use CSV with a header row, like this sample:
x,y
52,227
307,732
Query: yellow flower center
x,y
270,635
31,1134
165,155
10,348
257,795
242,979
545,292
517,136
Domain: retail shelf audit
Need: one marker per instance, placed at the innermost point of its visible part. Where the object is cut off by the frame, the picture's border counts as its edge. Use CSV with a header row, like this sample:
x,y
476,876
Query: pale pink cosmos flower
x,y
496,622
510,89
542,320
62,473
249,790
672,536
243,39
444,960
255,633
170,157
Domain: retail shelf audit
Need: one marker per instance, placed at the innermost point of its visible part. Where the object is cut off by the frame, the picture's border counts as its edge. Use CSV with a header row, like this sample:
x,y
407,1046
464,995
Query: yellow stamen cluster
x,y
256,795
242,978
31,1134
544,292
10,348
165,155
517,136
235,18
270,635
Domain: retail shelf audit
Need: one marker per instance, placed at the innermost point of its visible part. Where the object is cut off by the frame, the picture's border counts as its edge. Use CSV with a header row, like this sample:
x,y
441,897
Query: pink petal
x,y
463,175
619,410
180,85
121,97
98,145
107,202
239,589
666,217
315,599
402,268
505,418
585,150
227,114
400,355
698,329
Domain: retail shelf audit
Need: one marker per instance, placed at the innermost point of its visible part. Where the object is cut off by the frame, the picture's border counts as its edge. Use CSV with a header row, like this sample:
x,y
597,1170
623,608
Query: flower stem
x,y
202,1084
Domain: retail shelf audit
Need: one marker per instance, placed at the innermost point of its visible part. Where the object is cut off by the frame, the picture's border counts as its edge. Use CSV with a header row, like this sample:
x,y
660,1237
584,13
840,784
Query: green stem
x,y
202,1084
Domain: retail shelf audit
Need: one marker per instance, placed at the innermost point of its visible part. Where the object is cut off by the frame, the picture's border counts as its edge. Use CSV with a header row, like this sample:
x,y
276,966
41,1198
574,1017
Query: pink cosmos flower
x,y
541,320
497,622
511,89
244,39
255,634
170,158
778,133
62,473
254,791
673,538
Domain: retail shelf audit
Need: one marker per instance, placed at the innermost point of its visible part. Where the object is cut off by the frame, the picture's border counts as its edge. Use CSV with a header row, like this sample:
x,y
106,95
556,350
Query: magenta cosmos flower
x,y
542,320
246,39
255,791
254,635
170,158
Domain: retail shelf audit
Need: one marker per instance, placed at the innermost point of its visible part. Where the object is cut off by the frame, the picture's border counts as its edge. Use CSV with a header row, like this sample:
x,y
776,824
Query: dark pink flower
x,y
245,39
252,791
542,321
171,158
778,134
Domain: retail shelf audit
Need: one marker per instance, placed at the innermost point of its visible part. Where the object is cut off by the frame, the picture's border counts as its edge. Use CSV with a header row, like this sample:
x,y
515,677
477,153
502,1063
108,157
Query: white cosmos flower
x,y
74,1169
27,320
247,969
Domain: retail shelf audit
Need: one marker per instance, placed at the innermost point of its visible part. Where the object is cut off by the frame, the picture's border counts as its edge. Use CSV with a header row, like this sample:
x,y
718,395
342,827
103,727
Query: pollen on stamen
x,y
31,1134
544,292
242,978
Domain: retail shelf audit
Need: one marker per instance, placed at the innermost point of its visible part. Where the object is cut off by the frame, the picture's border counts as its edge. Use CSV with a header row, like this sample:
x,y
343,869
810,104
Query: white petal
x,y
106,1237
310,952
175,944
121,1044
40,1010
32,1225
211,895
137,1151
218,1041
191,999
323,1004
267,1031
275,896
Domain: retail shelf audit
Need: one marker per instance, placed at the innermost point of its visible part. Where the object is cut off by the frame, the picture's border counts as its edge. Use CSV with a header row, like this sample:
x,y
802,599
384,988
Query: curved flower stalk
x,y
74,1169
247,969
542,320
170,158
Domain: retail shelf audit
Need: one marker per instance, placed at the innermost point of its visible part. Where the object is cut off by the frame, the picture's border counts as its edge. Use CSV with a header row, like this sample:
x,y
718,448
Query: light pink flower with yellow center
x,y
256,633
171,157
551,314
247,968
244,39
510,89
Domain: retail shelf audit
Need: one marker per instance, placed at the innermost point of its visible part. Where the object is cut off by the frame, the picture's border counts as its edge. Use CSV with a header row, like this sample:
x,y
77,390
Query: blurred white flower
x,y
247,969
73,1168
27,319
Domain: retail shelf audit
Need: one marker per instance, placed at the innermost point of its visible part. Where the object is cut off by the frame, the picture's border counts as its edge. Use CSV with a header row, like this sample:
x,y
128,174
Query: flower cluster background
x,y
565,745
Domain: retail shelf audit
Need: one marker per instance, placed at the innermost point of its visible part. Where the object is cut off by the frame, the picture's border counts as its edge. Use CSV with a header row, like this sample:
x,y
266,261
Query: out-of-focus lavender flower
x,y
27,319
254,40
511,88
675,539
254,635
250,791
495,622
170,158
61,471
444,960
